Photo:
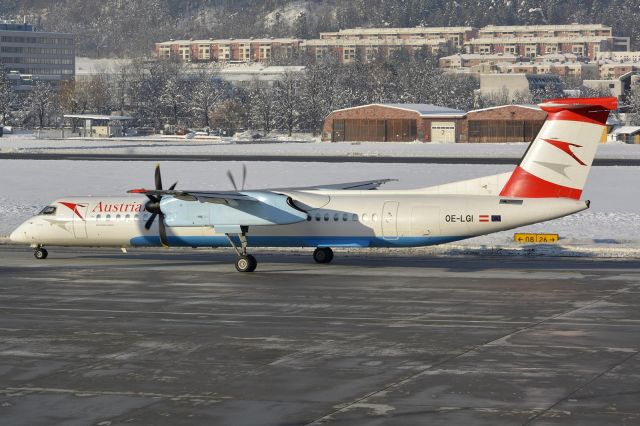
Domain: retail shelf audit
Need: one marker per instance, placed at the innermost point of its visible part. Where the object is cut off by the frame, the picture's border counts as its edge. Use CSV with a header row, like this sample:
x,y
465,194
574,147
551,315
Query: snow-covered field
x,y
156,145
610,227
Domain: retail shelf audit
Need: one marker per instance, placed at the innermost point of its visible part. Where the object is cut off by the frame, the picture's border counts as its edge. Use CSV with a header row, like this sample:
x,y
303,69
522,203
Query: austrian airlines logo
x,y
566,148
74,208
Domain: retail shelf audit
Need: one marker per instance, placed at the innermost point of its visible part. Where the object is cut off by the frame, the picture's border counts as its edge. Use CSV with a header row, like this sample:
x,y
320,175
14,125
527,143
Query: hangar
x,y
506,123
394,123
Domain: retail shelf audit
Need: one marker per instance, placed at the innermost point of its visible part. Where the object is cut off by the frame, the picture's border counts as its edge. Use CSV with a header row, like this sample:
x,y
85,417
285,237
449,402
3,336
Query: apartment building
x,y
586,40
36,55
619,56
468,60
454,36
347,50
228,50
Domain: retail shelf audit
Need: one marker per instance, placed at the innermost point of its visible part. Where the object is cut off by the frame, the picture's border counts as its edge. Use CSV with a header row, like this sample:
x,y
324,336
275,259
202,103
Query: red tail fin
x,y
559,159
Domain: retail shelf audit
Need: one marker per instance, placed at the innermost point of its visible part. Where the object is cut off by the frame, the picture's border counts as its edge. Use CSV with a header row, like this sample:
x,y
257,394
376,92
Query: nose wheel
x,y
40,253
323,255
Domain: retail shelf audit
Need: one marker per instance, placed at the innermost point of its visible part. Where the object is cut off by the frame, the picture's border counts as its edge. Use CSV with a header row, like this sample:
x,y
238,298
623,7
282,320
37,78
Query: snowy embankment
x,y
611,227
168,146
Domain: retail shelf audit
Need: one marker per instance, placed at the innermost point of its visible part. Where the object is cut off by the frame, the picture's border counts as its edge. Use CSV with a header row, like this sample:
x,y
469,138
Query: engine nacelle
x,y
269,209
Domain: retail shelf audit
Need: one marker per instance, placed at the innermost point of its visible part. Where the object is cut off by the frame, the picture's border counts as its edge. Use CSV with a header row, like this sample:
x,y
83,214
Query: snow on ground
x,y
157,145
611,224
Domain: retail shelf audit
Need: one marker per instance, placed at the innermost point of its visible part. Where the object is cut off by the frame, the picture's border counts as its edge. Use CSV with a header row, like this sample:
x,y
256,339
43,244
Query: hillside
x,y
129,28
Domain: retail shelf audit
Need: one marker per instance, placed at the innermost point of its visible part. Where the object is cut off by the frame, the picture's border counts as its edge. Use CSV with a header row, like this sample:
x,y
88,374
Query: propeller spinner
x,y
153,207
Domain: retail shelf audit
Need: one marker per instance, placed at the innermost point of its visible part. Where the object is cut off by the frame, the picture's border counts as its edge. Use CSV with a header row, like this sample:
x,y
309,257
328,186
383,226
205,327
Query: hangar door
x,y
443,131
365,130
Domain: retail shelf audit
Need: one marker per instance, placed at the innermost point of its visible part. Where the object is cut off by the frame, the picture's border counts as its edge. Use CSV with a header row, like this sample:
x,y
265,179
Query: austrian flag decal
x,y
490,218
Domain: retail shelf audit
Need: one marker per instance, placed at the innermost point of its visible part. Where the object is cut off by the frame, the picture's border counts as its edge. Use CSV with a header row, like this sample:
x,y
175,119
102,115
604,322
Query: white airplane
x,y
547,184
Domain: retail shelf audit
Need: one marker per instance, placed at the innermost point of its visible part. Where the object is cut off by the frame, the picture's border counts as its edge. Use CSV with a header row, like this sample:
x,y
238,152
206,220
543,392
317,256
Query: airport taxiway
x,y
177,337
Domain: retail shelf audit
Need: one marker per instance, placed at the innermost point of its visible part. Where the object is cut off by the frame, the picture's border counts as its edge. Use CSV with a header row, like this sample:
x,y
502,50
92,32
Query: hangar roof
x,y
425,110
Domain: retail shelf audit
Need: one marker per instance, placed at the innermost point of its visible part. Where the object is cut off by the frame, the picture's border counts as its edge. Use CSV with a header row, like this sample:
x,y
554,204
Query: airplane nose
x,y
18,236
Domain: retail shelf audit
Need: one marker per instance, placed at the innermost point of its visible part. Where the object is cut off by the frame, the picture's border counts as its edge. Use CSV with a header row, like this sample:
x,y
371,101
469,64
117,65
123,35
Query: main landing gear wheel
x,y
40,253
246,263
323,255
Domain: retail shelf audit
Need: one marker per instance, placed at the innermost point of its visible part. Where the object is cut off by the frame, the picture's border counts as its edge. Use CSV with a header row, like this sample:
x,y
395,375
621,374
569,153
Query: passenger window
x,y
49,210
317,217
345,217
374,217
98,217
326,217
127,217
118,217
364,217
355,217
136,217
308,218
336,217
108,217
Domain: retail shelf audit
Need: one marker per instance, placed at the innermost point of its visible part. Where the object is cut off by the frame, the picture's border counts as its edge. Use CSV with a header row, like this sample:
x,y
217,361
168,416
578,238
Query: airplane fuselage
x,y
404,218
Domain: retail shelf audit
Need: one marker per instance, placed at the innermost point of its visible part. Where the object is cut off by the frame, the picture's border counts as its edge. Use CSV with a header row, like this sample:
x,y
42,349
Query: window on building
x,y
349,54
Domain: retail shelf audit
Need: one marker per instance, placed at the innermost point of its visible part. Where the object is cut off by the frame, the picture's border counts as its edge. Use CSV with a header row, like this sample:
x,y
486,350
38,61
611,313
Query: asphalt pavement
x,y
177,337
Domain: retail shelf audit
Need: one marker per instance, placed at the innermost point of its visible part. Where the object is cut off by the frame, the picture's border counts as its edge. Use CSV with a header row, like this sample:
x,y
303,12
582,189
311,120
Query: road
x,y
177,337
288,158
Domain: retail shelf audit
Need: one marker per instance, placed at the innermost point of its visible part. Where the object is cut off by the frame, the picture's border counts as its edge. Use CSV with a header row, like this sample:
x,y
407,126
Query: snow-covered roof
x,y
529,106
425,110
98,117
626,130
90,66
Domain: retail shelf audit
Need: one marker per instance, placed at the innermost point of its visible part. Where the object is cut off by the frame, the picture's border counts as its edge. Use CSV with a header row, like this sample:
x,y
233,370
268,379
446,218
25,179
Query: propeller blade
x,y
149,222
153,198
163,231
158,177
172,187
233,182
244,175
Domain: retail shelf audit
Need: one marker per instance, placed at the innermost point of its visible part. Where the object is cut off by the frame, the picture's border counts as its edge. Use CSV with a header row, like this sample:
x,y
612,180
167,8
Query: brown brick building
x,y
507,123
393,123
430,123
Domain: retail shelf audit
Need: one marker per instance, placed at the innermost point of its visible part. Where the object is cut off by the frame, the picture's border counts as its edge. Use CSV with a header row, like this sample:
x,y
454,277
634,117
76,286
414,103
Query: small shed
x,y
626,134
506,123
393,123
101,126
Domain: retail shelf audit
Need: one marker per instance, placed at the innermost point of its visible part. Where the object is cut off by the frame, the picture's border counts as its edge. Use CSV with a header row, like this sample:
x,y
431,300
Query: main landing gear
x,y
40,253
245,262
323,255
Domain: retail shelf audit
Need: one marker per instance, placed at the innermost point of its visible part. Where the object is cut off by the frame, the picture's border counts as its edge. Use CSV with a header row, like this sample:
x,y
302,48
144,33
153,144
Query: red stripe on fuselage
x,y
524,184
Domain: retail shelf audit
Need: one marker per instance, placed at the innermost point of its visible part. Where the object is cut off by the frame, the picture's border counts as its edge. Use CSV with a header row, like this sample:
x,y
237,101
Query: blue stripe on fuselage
x,y
294,241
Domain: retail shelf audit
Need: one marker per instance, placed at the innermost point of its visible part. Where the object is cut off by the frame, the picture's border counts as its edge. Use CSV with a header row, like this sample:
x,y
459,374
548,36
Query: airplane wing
x,y
216,197
362,185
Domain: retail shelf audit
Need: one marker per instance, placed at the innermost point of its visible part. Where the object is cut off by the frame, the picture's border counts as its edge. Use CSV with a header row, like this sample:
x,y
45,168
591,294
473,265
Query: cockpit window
x,y
50,210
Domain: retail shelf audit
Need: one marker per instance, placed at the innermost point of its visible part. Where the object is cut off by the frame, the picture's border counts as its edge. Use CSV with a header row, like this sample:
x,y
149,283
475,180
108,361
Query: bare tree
x,y
205,96
261,106
287,101
41,102
8,96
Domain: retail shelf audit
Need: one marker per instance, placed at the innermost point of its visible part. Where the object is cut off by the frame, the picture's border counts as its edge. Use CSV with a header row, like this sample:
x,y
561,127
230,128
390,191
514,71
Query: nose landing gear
x,y
40,253
323,255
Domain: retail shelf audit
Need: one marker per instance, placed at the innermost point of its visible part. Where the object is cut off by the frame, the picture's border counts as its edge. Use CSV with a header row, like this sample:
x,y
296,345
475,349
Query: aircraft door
x,y
390,220
79,221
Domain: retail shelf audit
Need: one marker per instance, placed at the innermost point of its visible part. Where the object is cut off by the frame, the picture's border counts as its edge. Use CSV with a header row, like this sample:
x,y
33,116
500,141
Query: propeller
x,y
244,178
153,207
